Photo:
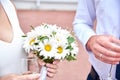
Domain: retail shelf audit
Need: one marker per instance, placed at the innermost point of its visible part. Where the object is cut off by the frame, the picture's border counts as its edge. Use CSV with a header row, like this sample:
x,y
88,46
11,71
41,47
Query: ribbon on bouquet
x,y
43,73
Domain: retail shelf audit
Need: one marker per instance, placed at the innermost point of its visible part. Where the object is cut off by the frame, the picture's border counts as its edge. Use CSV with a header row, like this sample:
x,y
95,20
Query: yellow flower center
x,y
32,41
60,50
48,47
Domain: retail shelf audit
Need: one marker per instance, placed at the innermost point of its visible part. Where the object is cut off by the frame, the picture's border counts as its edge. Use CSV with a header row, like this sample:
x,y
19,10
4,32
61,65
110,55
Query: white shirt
x,y
11,53
107,13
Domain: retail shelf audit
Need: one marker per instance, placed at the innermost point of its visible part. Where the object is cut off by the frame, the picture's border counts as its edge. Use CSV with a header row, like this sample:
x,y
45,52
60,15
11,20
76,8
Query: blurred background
x,y
61,13
46,4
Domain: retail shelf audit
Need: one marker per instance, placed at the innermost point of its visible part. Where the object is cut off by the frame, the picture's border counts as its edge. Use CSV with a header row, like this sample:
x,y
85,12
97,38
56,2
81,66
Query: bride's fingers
x,y
29,77
53,71
51,75
28,72
52,66
56,61
41,62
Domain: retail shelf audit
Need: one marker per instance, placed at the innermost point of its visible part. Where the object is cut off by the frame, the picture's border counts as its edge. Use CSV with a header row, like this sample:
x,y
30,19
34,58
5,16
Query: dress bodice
x,y
11,53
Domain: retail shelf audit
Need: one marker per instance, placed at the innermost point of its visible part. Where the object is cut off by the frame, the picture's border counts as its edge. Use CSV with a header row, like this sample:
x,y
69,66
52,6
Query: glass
x,y
30,65
110,73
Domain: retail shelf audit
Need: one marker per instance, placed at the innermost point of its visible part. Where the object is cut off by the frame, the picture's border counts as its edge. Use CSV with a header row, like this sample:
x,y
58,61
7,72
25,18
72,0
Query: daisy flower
x,y
48,48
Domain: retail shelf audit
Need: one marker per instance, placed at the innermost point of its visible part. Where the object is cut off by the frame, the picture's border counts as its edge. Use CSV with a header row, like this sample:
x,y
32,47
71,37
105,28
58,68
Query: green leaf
x,y
49,60
32,27
70,39
70,57
54,33
45,25
36,43
69,47
24,35
42,38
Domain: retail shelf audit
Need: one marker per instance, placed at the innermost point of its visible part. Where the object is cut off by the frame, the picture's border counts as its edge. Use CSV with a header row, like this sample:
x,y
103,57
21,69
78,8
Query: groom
x,y
102,44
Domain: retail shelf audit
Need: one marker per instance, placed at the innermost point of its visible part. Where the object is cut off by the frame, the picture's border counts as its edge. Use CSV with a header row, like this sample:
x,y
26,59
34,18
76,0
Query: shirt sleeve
x,y
84,19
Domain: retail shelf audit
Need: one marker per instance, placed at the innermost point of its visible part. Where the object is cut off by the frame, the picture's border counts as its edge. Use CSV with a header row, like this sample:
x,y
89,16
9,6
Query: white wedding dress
x,y
11,53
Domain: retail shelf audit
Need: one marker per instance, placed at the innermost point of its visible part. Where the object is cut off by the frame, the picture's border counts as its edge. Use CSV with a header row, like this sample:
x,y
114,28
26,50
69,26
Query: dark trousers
x,y
93,75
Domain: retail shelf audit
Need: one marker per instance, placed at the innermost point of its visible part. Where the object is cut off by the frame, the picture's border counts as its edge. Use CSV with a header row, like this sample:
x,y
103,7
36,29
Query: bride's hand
x,y
21,77
51,68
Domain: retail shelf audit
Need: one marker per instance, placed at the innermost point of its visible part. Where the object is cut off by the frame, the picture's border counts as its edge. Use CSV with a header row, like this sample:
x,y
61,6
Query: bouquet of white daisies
x,y
51,42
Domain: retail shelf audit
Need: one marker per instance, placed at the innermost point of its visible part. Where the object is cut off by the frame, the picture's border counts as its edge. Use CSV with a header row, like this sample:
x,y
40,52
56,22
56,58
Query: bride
x,y
11,46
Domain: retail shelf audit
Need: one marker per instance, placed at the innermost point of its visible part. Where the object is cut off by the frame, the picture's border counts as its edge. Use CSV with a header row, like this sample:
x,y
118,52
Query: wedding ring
x,y
101,56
